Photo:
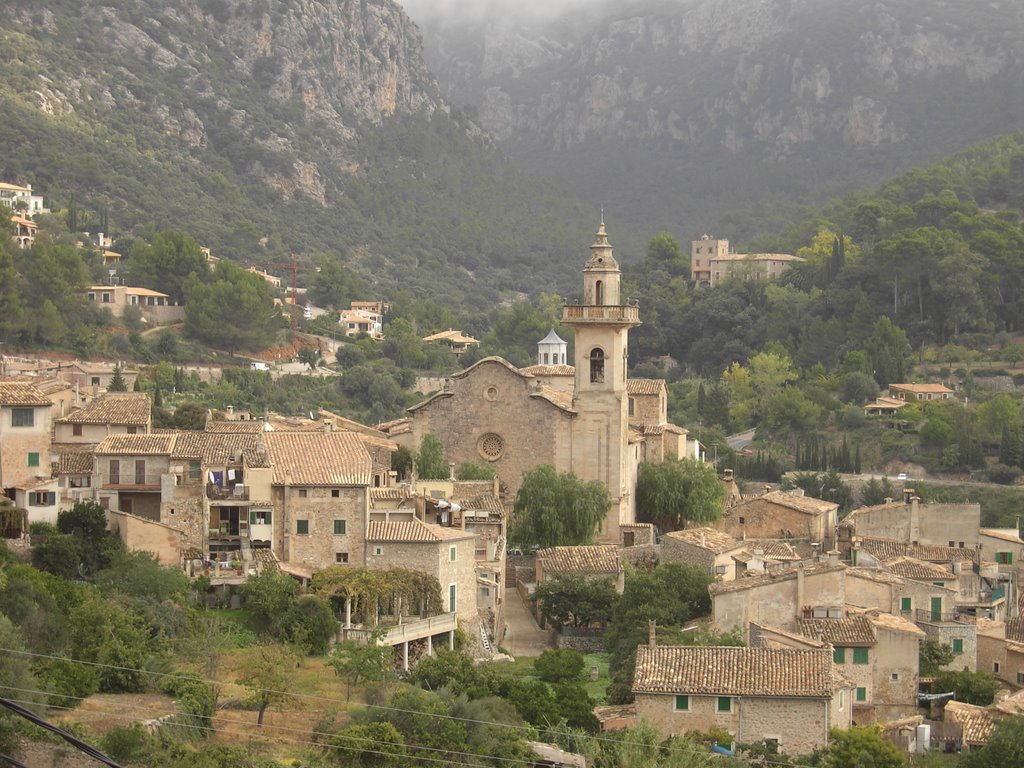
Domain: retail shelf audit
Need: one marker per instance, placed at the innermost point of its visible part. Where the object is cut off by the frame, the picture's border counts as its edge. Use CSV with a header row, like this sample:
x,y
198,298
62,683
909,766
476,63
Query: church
x,y
589,419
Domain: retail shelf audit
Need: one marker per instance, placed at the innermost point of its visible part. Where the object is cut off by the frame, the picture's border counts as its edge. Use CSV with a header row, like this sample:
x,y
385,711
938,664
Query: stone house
x,y
114,413
600,561
911,523
25,424
787,696
131,473
1001,649
446,553
878,653
155,307
782,515
779,596
708,548
921,392
320,494
89,379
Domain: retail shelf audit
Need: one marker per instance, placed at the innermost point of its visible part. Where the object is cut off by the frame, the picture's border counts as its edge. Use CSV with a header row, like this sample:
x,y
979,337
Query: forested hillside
x,y
264,127
939,251
718,115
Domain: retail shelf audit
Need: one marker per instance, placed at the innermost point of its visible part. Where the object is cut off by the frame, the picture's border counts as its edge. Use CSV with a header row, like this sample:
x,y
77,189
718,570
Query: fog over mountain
x,y
692,115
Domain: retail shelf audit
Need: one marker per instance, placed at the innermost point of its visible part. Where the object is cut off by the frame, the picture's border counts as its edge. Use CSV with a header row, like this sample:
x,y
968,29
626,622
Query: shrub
x,y
558,665
68,682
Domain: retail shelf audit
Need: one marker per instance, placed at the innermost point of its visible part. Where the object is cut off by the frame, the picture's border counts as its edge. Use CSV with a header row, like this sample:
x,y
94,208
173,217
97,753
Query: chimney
x,y
451,470
652,634
799,586
915,514
727,474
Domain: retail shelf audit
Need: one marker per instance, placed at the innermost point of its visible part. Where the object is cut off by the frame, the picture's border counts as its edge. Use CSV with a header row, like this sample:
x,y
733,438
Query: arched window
x,y
597,365
599,293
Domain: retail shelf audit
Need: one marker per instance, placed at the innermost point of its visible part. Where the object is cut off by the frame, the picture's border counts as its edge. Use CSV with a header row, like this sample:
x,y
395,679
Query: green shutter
x,y
839,655
339,527
725,704
862,694
682,702
958,645
860,655
905,604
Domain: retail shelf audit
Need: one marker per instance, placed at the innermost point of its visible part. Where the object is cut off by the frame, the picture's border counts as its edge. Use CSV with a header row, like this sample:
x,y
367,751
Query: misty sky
x,y
419,10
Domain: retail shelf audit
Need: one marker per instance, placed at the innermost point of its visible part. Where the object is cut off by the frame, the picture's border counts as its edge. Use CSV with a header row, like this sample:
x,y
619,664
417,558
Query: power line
x,y
77,743
293,740
528,729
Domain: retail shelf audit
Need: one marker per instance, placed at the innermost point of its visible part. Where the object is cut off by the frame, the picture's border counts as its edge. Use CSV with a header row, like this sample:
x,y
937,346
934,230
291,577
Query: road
x,y
740,440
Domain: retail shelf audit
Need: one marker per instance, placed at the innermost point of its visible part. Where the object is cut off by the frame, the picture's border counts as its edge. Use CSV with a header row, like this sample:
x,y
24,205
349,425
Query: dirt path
x,y
522,635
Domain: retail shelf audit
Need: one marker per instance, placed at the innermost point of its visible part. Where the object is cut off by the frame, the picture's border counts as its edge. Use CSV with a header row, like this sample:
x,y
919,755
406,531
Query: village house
x,y
707,548
363,317
114,413
711,263
25,473
91,379
930,606
320,494
879,653
786,515
911,523
456,341
780,596
155,307
787,697
20,198
599,561
447,554
272,279
1001,649
920,392
24,231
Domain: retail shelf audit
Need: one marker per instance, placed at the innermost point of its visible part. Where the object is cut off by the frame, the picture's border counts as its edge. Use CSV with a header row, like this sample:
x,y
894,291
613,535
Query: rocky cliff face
x,y
334,64
872,85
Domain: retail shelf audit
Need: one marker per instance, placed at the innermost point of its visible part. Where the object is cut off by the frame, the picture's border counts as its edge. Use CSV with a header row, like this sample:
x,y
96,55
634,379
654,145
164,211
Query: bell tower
x,y
600,439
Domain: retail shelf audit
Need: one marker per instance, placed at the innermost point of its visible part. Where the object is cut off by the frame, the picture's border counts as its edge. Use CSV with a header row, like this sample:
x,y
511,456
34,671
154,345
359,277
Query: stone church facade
x,y
518,419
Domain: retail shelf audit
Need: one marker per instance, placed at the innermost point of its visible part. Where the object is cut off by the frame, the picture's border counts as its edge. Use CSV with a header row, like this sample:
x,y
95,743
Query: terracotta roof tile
x,y
248,427
918,570
1006,534
645,386
21,393
555,396
214,448
729,671
923,388
887,549
122,408
897,623
136,445
600,558
773,550
874,574
403,531
806,504
976,721
710,539
549,370
1015,629
763,579
318,458
853,630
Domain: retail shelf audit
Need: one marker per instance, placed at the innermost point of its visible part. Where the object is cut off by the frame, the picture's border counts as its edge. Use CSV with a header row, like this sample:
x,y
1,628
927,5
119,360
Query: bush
x,y
197,702
68,682
127,743
310,624
558,665
1002,474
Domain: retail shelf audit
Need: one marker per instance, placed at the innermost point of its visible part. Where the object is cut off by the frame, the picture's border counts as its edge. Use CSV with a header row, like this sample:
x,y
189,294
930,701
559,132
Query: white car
x,y
901,476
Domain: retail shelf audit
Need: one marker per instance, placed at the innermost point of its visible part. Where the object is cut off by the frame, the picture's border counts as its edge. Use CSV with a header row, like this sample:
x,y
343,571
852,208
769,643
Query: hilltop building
x,y
711,263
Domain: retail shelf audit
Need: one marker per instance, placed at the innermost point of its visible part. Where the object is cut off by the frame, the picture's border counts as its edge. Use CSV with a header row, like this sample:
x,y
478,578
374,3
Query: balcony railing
x,y
409,629
937,617
237,492
613,313
130,481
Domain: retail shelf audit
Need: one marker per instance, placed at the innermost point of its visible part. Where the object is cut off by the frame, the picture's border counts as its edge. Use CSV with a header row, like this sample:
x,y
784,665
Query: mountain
x,y
715,115
264,125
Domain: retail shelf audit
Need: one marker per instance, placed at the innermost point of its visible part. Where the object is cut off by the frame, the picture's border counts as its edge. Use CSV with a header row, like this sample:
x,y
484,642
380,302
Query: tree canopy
x,y
234,309
557,509
678,492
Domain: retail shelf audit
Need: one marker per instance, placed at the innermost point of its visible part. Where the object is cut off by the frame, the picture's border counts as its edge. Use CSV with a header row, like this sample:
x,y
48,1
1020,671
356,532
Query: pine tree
x,y
117,381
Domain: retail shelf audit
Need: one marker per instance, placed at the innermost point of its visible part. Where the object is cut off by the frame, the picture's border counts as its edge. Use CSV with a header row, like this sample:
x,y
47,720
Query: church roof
x,y
549,370
645,386
552,338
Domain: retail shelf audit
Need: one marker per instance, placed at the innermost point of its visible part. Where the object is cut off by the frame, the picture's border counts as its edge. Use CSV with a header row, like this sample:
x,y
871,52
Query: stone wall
x,y
320,506
584,642
138,534
799,725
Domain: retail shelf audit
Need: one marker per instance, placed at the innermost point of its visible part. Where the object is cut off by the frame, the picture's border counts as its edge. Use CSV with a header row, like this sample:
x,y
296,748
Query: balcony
x,y
937,617
130,481
409,629
601,313
238,492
